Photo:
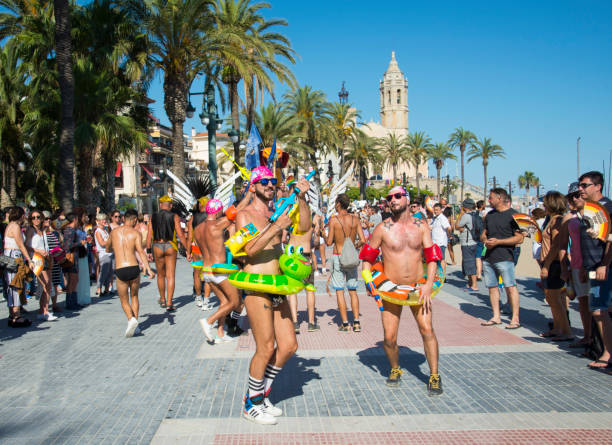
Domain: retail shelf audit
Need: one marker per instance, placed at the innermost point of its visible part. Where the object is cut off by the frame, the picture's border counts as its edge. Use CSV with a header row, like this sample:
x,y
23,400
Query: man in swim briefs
x,y
269,315
163,230
402,238
199,216
125,241
209,236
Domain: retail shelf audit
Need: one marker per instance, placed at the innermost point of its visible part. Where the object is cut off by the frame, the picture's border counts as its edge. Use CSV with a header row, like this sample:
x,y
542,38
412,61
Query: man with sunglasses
x,y
269,315
571,264
403,239
596,258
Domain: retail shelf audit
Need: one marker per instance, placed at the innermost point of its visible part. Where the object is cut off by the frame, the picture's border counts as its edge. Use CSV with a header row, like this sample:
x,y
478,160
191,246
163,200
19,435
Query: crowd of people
x,y
46,254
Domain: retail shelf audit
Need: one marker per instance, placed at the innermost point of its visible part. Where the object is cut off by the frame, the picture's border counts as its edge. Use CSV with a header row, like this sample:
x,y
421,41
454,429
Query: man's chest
x,y
401,237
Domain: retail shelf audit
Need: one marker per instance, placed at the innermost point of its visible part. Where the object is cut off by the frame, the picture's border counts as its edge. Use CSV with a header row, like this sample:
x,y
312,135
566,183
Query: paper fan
x,y
429,203
526,223
597,218
39,262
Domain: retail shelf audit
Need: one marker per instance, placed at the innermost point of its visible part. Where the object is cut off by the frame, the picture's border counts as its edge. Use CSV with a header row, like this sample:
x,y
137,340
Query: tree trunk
x,y
341,168
233,93
63,49
8,194
485,181
527,191
362,183
250,105
176,87
462,149
109,189
417,184
85,179
394,174
438,181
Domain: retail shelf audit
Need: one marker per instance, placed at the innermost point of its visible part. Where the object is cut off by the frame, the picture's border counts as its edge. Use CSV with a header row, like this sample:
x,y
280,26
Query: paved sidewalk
x,y
78,380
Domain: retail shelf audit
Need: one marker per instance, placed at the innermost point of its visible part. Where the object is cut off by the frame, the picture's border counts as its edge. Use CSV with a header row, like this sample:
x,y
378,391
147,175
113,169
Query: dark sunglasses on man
x,y
396,196
266,181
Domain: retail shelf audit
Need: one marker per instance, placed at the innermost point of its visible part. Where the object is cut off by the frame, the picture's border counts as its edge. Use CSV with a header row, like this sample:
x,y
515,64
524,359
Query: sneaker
x,y
434,386
46,317
207,305
356,326
344,328
256,413
207,330
312,327
394,377
269,408
225,339
316,274
131,327
198,300
296,327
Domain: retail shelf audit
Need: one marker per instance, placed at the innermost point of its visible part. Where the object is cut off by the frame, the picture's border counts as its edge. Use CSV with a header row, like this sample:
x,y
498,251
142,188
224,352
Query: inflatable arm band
x,y
368,254
231,213
433,253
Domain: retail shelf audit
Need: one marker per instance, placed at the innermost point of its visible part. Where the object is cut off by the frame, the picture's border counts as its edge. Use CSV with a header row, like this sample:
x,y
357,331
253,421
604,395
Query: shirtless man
x,y
304,240
209,236
269,315
125,241
199,216
341,226
164,228
402,238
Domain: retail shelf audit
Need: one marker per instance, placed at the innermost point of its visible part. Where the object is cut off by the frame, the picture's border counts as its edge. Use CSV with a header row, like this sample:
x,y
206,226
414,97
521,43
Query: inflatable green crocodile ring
x,y
295,267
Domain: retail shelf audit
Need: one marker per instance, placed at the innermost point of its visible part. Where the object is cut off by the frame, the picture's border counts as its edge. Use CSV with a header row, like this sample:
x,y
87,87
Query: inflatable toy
x,y
527,223
226,267
295,267
401,293
597,218
237,242
39,263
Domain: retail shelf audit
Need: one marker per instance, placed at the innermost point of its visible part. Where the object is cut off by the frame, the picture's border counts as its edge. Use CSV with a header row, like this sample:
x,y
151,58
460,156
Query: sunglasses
x,y
115,216
36,217
573,196
585,185
266,181
396,196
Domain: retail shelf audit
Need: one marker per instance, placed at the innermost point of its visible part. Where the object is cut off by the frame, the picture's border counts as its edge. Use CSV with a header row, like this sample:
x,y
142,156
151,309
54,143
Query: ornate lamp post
x,y
343,95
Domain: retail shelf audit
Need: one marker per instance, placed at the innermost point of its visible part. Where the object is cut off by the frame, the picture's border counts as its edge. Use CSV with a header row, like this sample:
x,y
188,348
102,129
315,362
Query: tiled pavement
x,y
78,380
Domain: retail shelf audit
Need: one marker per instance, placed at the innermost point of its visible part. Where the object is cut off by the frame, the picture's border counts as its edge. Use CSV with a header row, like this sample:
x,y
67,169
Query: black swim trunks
x,y
275,299
128,273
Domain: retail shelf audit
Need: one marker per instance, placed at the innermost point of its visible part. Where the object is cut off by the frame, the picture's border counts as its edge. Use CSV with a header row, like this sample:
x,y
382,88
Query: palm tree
x,y
273,122
309,111
184,43
462,138
362,151
343,121
251,52
418,144
528,180
63,50
439,153
485,150
394,150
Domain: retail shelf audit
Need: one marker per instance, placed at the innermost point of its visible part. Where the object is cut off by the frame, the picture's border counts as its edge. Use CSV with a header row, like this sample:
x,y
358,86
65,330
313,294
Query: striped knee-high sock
x,y
271,373
256,390
235,315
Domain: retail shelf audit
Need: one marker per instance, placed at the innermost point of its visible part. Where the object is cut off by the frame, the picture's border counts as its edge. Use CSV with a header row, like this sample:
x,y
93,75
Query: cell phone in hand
x,y
592,275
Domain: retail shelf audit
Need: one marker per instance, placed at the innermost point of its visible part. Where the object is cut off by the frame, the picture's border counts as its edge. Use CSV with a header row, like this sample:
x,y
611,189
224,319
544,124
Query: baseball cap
x,y
573,188
468,203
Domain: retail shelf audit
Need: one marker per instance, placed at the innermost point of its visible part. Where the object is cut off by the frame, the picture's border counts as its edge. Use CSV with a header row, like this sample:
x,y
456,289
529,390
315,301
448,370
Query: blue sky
x,y
532,76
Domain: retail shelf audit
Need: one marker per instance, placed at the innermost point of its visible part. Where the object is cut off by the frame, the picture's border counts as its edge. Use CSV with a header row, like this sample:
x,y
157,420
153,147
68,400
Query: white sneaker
x,y
198,300
207,306
225,339
46,317
207,330
269,408
256,413
131,327
316,274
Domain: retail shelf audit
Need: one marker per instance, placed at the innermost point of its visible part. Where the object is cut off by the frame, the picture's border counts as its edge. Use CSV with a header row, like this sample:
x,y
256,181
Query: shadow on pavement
x,y
296,373
9,333
408,359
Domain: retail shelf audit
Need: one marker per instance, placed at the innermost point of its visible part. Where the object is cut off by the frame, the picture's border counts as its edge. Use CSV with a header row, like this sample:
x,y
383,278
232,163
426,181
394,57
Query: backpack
x,y
349,257
477,226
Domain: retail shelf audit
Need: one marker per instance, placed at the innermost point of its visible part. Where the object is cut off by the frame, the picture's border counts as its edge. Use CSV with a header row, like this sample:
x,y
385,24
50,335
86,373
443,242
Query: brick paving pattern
x,y
78,380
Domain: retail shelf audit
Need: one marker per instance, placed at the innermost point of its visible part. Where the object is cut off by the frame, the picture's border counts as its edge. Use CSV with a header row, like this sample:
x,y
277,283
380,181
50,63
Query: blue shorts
x,y
479,249
492,271
443,249
468,260
600,296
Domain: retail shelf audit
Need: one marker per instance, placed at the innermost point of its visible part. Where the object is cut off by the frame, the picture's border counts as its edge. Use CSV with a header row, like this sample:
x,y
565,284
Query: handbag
x,y
8,263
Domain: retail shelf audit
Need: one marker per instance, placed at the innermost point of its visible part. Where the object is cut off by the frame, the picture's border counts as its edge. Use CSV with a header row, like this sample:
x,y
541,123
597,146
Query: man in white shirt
x,y
440,231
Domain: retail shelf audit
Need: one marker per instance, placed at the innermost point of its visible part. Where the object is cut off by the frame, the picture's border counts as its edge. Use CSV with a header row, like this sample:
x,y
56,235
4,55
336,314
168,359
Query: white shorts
x,y
214,278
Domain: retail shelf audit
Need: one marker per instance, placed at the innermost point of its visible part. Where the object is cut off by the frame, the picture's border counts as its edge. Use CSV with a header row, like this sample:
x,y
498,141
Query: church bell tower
x,y
394,98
